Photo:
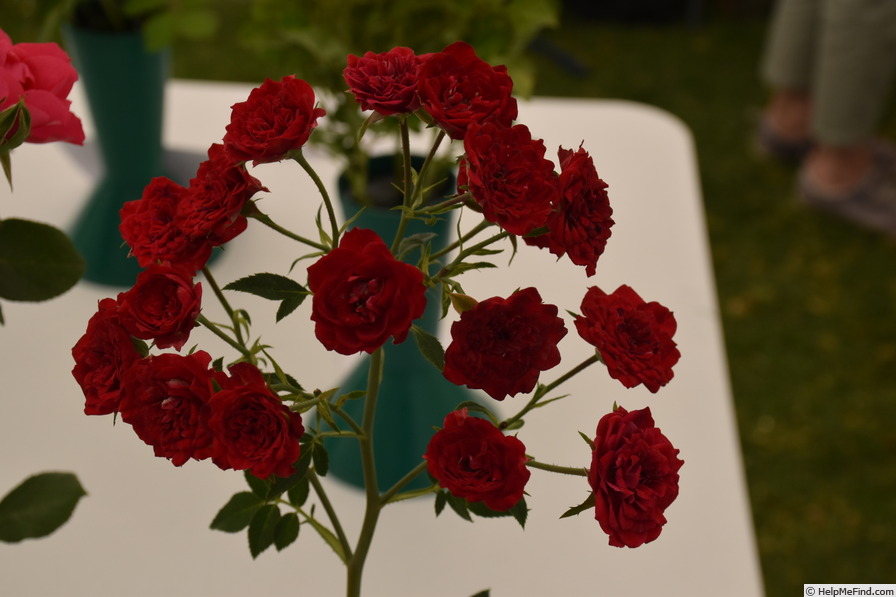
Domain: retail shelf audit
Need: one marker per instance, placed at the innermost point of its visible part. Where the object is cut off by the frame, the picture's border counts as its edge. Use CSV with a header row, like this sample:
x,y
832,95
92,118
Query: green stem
x,y
237,328
544,390
203,320
267,221
461,240
355,566
407,185
387,497
554,468
334,226
331,513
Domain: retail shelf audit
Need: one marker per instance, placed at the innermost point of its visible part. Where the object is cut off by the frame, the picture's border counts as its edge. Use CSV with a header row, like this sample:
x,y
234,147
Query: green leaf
x,y
237,513
429,346
321,459
587,439
287,530
298,493
328,536
441,500
273,287
37,261
269,286
196,23
158,31
520,512
483,593
260,487
262,529
588,504
459,505
38,506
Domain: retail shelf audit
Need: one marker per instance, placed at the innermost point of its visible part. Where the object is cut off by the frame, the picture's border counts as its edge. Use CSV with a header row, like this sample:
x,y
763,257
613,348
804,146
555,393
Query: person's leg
x,y
787,68
852,78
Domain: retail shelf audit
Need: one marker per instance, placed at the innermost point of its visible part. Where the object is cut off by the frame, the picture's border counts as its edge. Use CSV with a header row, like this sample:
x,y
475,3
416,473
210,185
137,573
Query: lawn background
x,y
808,302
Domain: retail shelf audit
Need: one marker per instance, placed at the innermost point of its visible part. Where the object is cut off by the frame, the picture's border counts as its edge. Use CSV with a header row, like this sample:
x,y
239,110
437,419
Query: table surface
x,y
143,528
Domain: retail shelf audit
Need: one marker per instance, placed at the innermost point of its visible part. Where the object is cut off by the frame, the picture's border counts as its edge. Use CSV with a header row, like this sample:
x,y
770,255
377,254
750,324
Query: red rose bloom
x,y
385,83
579,225
505,170
458,88
634,337
502,345
253,430
101,355
277,118
42,73
216,196
363,295
149,227
634,476
165,399
162,305
473,460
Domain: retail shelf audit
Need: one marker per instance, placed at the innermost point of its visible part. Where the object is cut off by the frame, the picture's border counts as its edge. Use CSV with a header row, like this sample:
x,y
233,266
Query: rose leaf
x,y
37,261
38,506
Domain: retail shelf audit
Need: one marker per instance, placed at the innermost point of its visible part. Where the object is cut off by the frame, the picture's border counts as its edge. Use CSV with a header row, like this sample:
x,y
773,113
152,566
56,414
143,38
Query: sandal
x,y
872,203
769,143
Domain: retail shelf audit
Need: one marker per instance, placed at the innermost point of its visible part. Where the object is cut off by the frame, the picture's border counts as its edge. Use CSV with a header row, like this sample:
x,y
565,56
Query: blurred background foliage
x,y
807,301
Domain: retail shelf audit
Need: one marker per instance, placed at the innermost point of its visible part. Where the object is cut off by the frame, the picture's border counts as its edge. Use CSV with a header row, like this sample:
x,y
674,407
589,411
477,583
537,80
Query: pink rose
x,y
42,74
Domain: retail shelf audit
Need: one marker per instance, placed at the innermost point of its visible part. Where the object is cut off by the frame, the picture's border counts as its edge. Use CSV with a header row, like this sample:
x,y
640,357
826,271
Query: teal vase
x,y
124,84
414,396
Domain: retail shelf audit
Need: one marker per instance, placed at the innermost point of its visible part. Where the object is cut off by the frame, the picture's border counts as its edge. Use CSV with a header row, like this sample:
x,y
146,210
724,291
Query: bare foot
x,y
835,171
788,114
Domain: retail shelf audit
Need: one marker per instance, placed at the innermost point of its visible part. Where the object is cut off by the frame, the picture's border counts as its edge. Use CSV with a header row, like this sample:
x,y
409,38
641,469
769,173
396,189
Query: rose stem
x,y
564,470
355,565
300,158
543,390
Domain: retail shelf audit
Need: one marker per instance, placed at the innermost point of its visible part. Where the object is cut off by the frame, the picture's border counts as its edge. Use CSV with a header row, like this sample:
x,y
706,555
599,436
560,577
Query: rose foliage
x,y
248,413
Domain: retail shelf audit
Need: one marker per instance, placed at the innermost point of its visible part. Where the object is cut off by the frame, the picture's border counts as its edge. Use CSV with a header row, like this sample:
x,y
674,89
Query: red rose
x,y
502,345
253,430
505,170
473,460
165,399
634,338
149,227
162,305
101,355
580,224
634,476
363,295
42,73
458,88
277,118
385,83
216,196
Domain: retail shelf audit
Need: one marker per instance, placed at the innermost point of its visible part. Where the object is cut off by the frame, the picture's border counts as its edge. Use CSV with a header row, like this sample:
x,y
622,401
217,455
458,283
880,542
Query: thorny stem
x,y
331,513
554,468
542,391
331,214
267,221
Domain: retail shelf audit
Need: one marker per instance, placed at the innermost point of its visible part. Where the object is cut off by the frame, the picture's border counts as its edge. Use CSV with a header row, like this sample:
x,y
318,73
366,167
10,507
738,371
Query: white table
x,y
143,529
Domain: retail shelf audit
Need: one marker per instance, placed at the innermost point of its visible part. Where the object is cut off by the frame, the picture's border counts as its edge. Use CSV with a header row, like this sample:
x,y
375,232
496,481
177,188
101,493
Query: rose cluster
x,y
363,296
42,75
501,345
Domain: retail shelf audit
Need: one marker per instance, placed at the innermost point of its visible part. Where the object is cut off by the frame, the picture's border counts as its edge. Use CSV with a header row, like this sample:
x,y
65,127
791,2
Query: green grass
x,y
808,302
